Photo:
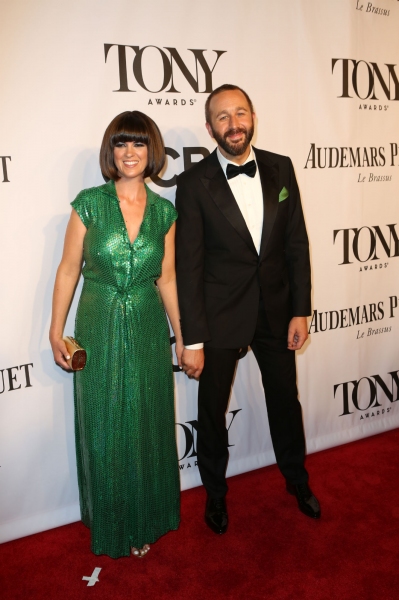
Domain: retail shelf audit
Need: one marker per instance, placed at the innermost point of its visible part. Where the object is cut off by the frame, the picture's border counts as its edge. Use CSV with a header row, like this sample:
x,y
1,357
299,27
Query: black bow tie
x,y
248,169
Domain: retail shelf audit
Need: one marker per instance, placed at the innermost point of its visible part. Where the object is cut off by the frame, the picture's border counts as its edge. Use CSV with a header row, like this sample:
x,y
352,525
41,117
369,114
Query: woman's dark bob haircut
x,y
132,126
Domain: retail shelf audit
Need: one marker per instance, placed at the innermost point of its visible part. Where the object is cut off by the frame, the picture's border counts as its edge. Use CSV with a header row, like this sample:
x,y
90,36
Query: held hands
x,y
60,353
297,333
192,362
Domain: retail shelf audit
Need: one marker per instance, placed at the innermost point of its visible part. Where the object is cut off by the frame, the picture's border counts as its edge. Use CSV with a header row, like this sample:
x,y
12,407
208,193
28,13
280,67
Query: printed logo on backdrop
x,y
15,378
367,320
163,71
368,248
368,397
187,441
373,83
188,153
369,7
4,160
360,157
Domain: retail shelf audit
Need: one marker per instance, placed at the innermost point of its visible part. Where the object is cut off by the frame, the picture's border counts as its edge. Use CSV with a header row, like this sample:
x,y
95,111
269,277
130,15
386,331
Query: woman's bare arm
x,y
67,277
167,287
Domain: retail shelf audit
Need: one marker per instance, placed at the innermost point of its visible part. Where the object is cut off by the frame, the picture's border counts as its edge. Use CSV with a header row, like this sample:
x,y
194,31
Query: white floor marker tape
x,y
93,579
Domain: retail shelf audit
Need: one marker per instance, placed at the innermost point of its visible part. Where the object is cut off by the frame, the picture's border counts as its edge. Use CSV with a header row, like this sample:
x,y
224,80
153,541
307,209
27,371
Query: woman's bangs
x,y
124,137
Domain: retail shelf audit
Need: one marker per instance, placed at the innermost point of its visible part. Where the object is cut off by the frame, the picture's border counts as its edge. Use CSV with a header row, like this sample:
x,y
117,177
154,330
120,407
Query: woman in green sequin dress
x,y
124,400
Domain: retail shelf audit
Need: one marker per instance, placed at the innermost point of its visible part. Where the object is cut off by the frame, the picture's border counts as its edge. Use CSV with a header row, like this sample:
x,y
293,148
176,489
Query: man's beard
x,y
230,147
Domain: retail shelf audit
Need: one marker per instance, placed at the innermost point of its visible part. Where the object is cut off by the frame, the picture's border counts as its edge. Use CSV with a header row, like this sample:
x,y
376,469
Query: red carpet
x,y
270,551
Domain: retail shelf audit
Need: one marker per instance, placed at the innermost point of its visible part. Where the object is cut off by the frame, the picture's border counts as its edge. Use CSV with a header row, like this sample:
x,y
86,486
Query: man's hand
x,y
193,362
297,333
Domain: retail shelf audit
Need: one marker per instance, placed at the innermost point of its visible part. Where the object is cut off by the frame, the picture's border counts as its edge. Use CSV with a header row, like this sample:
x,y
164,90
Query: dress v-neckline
x,y
131,243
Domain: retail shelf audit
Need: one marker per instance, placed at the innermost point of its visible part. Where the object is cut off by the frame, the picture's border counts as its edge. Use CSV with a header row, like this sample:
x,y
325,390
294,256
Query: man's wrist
x,y
198,346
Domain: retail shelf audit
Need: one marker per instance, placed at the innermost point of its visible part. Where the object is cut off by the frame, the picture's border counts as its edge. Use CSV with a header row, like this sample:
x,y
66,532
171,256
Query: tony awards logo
x,y
366,81
189,440
367,394
158,70
364,244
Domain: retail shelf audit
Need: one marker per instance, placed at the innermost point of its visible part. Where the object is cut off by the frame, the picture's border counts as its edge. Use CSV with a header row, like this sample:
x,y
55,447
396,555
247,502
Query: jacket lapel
x,y
269,181
216,184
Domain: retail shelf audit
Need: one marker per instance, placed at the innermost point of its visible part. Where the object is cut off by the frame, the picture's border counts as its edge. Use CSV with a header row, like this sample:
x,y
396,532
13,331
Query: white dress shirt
x,y
247,192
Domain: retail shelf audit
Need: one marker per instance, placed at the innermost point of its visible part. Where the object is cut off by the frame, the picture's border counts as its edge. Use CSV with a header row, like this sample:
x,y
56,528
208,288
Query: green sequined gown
x,y
124,399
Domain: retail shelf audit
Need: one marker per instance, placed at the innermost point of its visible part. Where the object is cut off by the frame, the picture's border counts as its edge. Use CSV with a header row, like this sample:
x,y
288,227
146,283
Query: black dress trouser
x,y
277,367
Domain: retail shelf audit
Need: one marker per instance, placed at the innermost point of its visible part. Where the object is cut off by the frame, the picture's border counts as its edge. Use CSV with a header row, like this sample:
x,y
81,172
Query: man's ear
x,y
209,129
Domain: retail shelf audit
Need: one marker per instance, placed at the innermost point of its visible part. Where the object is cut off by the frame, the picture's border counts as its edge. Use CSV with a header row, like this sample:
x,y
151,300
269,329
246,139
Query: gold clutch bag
x,y
78,355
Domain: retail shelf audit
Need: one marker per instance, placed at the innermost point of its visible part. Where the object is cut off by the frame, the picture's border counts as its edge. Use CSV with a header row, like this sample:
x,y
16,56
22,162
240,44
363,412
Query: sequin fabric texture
x,y
124,398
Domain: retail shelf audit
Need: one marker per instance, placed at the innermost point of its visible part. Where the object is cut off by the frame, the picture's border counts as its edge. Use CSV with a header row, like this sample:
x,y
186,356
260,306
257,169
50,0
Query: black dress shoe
x,y
307,502
216,515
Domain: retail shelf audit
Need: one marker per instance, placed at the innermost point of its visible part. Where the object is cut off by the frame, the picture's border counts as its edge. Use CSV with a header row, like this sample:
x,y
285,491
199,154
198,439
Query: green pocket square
x,y
283,195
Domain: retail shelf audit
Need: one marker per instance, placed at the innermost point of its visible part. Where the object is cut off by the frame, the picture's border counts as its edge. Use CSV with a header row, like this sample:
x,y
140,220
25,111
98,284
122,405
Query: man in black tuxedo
x,y
243,278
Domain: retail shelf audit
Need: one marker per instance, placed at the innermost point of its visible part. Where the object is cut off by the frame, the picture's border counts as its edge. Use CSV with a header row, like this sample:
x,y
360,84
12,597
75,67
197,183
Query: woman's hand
x,y
60,353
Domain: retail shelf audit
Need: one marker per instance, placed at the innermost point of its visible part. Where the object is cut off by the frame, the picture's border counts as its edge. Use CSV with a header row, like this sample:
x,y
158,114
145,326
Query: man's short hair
x,y
226,87
132,126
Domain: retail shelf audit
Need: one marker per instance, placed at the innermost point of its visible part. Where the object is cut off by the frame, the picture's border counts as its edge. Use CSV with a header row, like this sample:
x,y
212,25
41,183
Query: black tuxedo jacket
x,y
219,271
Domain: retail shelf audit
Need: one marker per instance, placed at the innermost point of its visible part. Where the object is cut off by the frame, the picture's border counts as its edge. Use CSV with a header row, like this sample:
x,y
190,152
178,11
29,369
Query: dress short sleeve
x,y
170,215
83,204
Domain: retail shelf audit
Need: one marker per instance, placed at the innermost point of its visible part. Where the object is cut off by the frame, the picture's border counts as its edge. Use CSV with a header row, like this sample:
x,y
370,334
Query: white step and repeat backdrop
x,y
324,79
